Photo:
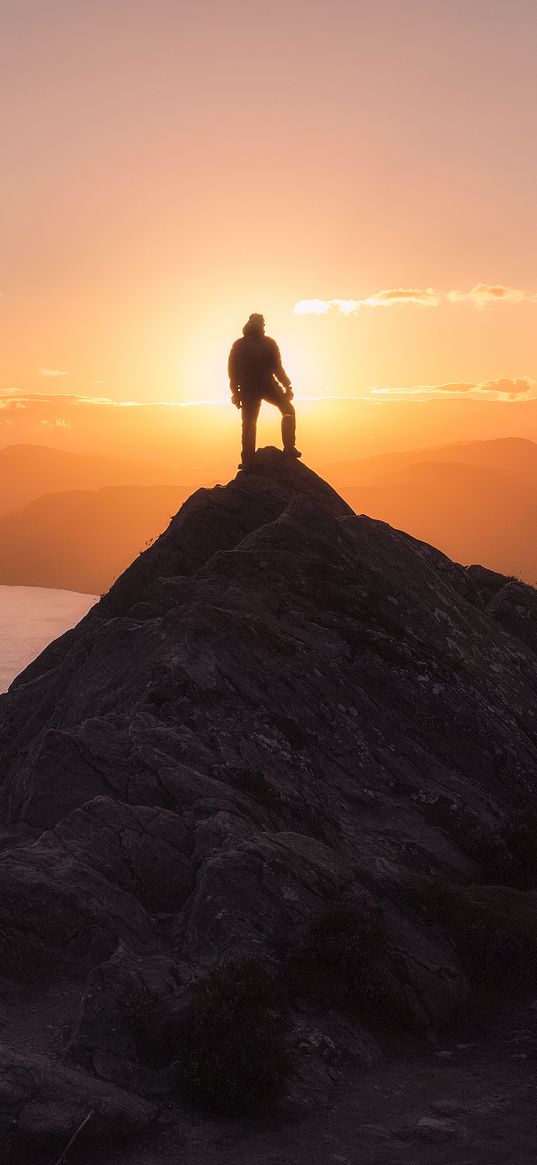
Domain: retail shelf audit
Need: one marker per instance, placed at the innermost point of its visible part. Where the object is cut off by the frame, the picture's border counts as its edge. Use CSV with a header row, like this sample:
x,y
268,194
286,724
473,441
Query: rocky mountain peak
x,y
282,715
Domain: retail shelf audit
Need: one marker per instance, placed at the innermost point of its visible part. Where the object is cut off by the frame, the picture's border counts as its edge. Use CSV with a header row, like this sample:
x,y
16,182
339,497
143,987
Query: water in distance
x,y
30,618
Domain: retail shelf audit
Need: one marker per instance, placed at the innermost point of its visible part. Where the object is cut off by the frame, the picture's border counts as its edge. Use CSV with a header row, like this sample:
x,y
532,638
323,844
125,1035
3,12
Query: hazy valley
x,y
76,521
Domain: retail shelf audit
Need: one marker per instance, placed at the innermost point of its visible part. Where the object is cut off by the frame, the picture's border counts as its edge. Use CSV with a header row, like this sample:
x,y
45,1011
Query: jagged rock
x,y
433,1129
126,1008
488,582
376,1132
42,1104
144,851
248,897
72,895
514,607
280,703
215,520
335,1039
511,603
444,1107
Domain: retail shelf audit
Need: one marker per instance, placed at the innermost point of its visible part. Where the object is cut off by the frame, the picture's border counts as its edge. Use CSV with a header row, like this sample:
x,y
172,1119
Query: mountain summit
x,y
290,737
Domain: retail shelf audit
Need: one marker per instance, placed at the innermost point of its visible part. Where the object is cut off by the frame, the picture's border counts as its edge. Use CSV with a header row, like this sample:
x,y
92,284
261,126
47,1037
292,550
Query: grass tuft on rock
x,y
492,928
233,1055
343,960
506,853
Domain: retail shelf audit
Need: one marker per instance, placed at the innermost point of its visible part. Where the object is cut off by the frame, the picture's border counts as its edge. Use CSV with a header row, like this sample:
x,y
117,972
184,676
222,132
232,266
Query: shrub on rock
x,y
506,853
233,1055
493,929
343,960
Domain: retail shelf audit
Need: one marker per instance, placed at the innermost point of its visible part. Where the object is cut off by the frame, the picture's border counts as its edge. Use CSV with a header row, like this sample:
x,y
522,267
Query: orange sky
x,y
169,167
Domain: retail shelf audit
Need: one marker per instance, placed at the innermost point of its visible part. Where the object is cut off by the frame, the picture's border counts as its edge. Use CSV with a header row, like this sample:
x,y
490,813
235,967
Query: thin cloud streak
x,y
484,294
63,410
53,372
501,389
480,296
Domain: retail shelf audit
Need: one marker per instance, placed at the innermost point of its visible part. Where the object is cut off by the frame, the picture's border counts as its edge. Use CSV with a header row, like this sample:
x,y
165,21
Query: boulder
x,y
123,1031
42,1104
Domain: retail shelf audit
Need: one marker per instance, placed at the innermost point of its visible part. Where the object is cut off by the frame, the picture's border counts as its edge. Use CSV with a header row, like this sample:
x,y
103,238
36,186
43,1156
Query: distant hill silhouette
x,y
81,540
28,471
75,521
476,501
203,439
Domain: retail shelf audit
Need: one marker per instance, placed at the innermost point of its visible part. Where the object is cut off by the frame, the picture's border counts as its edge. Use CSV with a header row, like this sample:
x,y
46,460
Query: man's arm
x,y
233,376
232,369
278,368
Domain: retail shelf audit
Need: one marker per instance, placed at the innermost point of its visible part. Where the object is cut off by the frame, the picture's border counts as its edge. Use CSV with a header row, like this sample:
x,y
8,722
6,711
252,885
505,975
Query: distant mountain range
x,y
81,540
476,500
75,521
28,471
203,439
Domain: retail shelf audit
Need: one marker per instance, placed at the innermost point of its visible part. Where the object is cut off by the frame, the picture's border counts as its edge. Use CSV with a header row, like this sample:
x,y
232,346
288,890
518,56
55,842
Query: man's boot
x,y
289,435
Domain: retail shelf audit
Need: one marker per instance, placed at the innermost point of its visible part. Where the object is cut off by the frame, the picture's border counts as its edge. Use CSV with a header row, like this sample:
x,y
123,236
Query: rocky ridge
x,y
281,714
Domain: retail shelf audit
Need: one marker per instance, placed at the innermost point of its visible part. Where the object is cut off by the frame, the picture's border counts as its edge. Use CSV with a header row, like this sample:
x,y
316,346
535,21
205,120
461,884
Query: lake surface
x,y
30,617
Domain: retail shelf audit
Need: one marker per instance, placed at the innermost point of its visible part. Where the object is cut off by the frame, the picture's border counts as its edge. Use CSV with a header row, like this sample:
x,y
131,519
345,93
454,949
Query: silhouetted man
x,y
256,373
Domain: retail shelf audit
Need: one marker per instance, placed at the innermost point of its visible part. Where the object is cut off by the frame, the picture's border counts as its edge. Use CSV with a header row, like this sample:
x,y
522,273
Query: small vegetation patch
x,y
154,1032
519,838
284,803
255,784
506,855
343,960
232,1055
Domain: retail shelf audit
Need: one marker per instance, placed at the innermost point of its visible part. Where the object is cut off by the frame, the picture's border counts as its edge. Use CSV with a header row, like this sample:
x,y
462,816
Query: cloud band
x,y
480,296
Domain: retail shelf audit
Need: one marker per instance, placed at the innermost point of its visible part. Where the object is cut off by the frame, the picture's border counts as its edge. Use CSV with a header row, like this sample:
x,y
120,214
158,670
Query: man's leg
x,y
249,411
278,397
289,430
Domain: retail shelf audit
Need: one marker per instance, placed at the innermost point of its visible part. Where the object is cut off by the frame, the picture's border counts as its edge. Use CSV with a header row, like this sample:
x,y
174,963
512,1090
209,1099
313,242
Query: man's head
x,y
254,325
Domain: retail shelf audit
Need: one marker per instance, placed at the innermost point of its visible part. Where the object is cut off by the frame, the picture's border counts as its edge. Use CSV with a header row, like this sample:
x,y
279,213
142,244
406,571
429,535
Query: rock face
x,y
278,707
42,1102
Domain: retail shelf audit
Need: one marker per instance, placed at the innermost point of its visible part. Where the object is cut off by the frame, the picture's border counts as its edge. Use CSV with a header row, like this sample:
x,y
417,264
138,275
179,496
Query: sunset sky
x,y
363,173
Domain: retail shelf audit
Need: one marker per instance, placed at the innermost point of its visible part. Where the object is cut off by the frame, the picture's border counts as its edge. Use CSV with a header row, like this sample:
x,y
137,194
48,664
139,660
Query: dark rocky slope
x,y
278,728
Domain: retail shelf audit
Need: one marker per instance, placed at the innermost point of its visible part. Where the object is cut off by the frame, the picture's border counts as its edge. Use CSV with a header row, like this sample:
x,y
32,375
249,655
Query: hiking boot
x,y
292,452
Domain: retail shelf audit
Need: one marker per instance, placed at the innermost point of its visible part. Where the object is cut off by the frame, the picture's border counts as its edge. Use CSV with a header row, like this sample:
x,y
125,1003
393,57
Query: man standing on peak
x,y
256,373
